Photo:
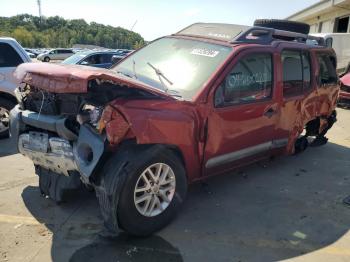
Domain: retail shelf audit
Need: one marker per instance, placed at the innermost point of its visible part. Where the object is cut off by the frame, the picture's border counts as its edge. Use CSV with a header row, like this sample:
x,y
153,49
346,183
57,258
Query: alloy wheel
x,y
154,190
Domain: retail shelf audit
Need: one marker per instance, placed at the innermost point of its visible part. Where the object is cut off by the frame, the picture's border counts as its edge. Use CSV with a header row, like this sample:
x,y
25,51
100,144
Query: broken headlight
x,y
90,114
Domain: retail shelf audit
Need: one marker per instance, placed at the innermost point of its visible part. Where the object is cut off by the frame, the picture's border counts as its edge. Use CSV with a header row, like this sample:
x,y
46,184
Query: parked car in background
x,y
124,51
11,55
340,42
344,96
101,59
198,103
31,53
55,54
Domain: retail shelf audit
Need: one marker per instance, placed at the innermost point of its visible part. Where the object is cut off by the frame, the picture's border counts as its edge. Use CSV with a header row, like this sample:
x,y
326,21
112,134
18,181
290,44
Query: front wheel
x,y
47,59
152,193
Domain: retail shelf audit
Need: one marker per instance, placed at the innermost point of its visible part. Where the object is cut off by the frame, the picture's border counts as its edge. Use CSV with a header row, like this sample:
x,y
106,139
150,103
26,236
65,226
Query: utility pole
x,y
39,6
132,25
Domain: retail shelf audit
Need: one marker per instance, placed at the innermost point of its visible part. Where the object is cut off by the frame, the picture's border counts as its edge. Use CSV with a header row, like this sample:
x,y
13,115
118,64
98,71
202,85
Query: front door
x,y
241,125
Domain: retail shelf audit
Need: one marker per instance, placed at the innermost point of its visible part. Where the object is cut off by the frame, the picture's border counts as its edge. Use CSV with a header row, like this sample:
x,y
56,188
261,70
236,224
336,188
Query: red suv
x,y
185,107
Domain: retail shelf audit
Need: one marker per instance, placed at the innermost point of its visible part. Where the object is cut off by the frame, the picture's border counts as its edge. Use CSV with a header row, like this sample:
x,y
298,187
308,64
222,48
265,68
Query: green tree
x,y
33,31
24,37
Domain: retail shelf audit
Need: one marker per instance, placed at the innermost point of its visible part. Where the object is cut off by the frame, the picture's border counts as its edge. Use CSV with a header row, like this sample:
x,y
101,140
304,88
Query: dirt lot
x,y
289,208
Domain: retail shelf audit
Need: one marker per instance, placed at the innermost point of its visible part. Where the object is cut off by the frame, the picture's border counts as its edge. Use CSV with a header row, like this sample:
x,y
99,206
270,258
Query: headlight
x,y
90,114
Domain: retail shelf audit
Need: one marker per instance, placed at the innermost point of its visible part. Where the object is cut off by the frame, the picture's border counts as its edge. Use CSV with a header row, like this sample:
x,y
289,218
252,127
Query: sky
x,y
156,18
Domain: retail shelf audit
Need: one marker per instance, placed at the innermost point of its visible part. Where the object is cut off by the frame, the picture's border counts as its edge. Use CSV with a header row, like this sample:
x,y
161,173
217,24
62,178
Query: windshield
x,y
177,66
74,59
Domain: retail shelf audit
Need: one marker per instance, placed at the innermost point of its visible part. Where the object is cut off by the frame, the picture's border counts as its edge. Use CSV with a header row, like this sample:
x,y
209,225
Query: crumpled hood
x,y
345,80
60,78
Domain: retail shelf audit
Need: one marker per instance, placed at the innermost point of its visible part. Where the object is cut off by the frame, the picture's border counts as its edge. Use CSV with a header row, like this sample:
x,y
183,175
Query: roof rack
x,y
245,34
264,35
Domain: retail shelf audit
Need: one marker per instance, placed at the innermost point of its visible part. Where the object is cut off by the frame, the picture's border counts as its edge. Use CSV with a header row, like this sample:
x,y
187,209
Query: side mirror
x,y
115,59
84,63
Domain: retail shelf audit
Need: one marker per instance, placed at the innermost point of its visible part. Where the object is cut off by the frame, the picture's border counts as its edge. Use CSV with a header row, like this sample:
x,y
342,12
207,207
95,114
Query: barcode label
x,y
205,52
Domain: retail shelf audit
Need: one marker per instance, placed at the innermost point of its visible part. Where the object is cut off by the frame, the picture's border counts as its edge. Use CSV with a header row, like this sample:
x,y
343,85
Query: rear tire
x,y
301,144
5,108
285,25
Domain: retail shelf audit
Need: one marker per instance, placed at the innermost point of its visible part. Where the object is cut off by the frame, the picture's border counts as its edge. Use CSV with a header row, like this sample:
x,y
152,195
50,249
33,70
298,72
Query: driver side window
x,y
248,82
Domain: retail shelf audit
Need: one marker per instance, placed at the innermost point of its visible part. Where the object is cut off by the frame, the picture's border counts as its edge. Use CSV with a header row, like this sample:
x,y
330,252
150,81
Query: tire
x,y
127,214
301,144
5,108
47,59
285,25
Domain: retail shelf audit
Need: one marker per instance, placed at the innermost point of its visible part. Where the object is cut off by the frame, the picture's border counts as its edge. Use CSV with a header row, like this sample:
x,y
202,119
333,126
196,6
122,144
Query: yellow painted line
x,y
18,220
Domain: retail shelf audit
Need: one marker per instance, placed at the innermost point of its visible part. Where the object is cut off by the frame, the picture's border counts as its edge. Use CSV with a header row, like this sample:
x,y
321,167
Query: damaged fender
x,y
179,129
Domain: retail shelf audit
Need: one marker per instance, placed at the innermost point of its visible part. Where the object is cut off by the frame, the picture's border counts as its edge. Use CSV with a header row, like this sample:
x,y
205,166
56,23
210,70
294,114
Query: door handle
x,y
270,112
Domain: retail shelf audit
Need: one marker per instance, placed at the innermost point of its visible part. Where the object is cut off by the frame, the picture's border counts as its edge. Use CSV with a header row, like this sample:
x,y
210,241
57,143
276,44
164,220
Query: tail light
x,y
115,125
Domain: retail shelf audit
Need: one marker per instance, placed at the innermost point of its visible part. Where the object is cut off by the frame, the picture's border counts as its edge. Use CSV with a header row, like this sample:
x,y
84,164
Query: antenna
x,y
39,6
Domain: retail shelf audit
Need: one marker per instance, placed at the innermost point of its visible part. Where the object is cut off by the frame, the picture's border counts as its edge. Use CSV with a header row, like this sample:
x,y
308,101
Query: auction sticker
x,y
204,52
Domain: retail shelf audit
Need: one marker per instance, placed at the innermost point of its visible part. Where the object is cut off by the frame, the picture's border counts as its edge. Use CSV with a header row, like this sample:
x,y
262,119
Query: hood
x,y
345,80
61,78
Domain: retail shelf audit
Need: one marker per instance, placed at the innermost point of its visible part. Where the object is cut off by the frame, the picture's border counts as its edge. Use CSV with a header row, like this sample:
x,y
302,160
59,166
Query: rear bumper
x,y
87,148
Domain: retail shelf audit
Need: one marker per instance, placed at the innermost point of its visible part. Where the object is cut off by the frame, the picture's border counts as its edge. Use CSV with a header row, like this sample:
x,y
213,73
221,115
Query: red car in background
x,y
198,103
344,96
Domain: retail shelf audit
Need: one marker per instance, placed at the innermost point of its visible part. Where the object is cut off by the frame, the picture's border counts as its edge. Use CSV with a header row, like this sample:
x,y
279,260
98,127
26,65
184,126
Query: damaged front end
x,y
66,132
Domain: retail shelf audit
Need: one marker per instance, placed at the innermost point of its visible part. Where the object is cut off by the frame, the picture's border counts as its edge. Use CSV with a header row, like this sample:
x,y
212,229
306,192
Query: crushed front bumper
x,y
53,146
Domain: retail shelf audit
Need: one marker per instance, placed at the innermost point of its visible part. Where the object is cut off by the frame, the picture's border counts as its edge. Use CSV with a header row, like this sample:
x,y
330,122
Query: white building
x,y
326,16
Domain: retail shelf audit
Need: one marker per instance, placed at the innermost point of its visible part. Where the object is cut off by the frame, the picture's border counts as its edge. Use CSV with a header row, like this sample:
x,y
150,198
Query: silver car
x,y
55,54
11,55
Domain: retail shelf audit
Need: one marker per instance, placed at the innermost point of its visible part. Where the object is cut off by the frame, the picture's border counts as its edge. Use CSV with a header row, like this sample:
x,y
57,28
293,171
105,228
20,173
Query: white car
x,y
11,55
55,54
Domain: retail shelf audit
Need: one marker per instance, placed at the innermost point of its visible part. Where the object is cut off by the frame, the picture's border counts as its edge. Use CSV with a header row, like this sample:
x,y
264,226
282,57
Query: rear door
x,y
241,125
299,94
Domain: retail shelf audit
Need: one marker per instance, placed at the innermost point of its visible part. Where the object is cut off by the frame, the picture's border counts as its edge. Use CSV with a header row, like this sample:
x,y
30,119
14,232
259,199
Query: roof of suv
x,y
240,34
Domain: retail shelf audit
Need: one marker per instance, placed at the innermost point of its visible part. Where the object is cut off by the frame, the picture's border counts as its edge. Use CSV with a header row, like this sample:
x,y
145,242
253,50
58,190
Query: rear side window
x,y
296,72
306,71
106,58
327,69
93,59
249,81
8,56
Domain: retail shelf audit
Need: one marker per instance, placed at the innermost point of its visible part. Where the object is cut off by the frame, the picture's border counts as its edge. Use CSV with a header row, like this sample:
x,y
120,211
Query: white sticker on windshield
x,y
204,52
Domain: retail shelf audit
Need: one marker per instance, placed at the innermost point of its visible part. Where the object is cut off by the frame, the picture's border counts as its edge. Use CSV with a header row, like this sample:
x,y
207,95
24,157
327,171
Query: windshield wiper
x,y
160,76
124,74
134,68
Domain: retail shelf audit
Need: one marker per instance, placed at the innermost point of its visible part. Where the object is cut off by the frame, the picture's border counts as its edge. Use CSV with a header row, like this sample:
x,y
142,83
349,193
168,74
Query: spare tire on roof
x,y
285,25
